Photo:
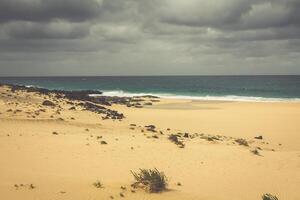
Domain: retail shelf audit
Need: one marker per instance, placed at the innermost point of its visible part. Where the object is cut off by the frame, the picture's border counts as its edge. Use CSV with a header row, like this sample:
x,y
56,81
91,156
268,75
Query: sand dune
x,y
64,165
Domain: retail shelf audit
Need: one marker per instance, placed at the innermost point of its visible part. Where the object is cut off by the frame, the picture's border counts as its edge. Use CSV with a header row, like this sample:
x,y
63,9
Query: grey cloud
x,y
150,36
46,10
62,45
272,14
232,14
53,30
204,13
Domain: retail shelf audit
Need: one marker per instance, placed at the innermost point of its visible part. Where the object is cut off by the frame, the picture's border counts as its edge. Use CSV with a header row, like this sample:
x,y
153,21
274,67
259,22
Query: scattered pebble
x,y
259,137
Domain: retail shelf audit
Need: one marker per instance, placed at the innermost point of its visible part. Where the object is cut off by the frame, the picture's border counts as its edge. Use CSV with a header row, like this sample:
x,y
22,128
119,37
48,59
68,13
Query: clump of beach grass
x,y
151,180
98,184
269,197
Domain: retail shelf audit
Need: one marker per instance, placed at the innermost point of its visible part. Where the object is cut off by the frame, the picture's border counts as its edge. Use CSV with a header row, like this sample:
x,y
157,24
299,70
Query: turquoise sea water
x,y
244,88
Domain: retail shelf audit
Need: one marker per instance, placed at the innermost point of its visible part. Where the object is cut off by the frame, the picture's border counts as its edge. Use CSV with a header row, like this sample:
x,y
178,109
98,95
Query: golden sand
x,y
65,165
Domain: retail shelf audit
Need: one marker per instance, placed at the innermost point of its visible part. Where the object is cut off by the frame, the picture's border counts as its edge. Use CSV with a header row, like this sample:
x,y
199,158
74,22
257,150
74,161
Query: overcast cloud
x,y
149,37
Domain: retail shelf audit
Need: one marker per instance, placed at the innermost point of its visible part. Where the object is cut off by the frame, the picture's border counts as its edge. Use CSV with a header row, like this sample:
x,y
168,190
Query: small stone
x,y
103,142
259,137
48,103
31,186
123,187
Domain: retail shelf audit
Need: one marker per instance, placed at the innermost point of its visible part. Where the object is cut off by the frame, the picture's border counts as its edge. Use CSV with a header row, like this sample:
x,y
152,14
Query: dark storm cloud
x,y
150,36
54,30
204,13
46,10
232,14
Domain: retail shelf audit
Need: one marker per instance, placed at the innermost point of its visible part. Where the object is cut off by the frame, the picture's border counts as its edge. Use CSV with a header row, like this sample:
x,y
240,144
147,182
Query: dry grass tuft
x,y
98,184
269,197
150,179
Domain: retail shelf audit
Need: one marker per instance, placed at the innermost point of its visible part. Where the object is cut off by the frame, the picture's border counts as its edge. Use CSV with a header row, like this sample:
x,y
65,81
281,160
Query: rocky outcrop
x,y
91,103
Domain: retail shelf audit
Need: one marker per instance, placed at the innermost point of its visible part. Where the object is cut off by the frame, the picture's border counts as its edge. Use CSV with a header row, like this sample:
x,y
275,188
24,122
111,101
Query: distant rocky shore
x,y
91,103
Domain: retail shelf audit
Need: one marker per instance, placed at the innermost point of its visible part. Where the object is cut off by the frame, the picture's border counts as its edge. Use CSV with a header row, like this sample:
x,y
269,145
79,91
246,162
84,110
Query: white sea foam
x,y
121,93
31,86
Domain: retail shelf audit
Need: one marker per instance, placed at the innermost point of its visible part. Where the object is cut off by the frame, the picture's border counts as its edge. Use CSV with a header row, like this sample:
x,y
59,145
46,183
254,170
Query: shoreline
x,y
233,99
123,94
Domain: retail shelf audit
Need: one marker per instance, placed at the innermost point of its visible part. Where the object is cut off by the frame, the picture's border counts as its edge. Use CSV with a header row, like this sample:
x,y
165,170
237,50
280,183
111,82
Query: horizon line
x,y
42,76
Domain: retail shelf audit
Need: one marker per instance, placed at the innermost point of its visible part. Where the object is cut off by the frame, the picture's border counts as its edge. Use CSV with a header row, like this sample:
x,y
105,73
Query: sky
x,y
149,37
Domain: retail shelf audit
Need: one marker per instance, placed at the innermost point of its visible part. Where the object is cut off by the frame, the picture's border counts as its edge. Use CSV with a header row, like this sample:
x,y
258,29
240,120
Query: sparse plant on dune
x,y
269,197
242,141
98,184
174,138
255,152
151,180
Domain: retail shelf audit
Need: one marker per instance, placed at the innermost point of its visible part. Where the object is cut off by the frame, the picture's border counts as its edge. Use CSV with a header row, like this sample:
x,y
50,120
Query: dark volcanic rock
x,y
174,138
48,103
72,108
72,95
109,114
150,126
103,142
88,102
186,135
242,141
150,96
259,137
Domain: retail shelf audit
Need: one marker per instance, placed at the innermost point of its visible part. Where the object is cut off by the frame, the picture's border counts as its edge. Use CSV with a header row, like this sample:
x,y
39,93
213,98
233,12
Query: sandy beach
x,y
54,152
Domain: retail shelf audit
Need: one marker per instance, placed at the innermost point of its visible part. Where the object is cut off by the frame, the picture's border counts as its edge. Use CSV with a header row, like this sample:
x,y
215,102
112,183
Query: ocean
x,y
234,88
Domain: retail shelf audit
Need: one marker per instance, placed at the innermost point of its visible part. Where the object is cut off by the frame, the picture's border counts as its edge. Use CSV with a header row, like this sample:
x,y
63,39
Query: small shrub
x,y
150,179
269,197
255,152
98,184
241,141
174,138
